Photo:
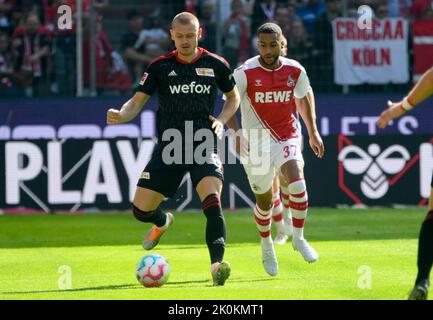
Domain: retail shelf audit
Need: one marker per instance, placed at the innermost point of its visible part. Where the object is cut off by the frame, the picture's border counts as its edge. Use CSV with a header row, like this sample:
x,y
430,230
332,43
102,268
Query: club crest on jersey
x,y
205,72
290,81
143,78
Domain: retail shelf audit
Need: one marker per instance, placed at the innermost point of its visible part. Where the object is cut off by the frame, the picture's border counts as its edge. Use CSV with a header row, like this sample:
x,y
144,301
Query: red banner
x,y
422,46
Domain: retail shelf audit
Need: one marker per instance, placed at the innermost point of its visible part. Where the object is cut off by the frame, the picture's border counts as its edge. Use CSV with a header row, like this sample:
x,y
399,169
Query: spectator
x,y
254,49
224,9
106,79
308,11
173,7
323,42
422,9
31,47
154,38
371,3
49,8
284,17
399,8
352,11
135,57
236,34
9,86
381,11
64,43
64,51
6,7
26,6
207,20
263,10
299,45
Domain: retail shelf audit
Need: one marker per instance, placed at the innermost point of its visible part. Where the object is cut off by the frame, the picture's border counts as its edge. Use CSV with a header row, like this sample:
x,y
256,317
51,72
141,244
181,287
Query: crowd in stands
x,y
39,59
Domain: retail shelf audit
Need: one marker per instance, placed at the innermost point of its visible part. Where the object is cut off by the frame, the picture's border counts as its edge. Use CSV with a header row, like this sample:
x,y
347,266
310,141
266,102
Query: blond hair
x,y
185,18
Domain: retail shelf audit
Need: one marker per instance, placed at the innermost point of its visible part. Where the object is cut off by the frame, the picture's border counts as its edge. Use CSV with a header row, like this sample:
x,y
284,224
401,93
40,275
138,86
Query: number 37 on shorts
x,y
290,150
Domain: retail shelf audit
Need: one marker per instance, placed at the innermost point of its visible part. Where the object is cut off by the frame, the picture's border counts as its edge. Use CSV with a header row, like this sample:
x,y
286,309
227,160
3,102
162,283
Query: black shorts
x,y
166,178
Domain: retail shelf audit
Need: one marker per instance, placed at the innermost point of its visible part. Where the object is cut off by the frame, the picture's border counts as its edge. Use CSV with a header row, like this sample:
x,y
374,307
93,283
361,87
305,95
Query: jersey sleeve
x,y
241,81
303,85
225,80
149,80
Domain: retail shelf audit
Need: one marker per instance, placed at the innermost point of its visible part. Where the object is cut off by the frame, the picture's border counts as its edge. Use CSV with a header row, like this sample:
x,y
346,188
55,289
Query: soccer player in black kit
x,y
421,91
186,80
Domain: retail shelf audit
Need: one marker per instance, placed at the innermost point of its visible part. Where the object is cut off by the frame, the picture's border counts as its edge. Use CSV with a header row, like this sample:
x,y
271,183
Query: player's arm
x,y
233,123
226,83
147,86
241,145
307,108
129,110
231,104
421,91
240,79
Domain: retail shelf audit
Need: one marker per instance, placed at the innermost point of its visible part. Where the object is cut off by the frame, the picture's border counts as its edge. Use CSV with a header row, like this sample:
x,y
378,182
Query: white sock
x,y
277,213
298,233
263,221
267,242
298,206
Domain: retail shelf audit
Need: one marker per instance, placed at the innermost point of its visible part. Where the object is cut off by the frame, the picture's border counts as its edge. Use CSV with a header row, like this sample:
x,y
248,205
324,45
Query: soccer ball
x,y
152,270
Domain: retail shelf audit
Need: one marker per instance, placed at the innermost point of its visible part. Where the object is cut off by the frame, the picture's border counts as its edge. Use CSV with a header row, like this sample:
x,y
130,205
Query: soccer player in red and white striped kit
x,y
281,214
271,136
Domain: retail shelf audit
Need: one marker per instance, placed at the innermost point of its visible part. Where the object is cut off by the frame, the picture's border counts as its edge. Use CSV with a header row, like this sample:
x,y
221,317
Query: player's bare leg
x,y
425,256
293,171
287,214
146,209
277,213
209,192
263,215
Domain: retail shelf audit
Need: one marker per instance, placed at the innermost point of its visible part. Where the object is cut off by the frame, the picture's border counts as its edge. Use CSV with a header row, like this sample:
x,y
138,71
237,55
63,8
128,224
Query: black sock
x,y
157,216
425,249
215,227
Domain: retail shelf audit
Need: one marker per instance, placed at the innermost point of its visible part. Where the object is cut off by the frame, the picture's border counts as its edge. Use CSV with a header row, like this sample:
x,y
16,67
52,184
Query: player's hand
x,y
317,145
394,111
217,126
113,116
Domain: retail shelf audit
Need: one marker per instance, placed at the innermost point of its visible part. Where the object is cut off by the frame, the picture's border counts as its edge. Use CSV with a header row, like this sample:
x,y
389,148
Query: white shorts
x,y
261,167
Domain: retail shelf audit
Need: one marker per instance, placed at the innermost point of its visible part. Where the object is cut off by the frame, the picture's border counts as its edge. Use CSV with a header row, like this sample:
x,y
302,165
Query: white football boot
x,y
288,223
310,255
286,231
281,238
269,258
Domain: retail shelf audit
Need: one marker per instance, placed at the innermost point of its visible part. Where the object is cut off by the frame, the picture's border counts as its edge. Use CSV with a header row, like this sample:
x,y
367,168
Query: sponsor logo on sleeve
x,y
143,78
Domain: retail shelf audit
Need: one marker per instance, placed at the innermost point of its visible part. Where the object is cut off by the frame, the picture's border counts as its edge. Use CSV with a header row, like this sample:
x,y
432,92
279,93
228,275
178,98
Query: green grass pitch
x,y
364,254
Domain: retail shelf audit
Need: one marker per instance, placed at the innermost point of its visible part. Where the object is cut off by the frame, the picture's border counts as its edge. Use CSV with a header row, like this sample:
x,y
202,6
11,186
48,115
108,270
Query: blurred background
x,y
118,39
56,85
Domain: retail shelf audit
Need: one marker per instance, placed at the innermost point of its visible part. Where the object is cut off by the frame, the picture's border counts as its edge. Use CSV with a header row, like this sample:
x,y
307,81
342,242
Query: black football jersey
x,y
186,91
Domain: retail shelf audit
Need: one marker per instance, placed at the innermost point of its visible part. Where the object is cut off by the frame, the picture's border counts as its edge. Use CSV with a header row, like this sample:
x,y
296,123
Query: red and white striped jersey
x,y
267,97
